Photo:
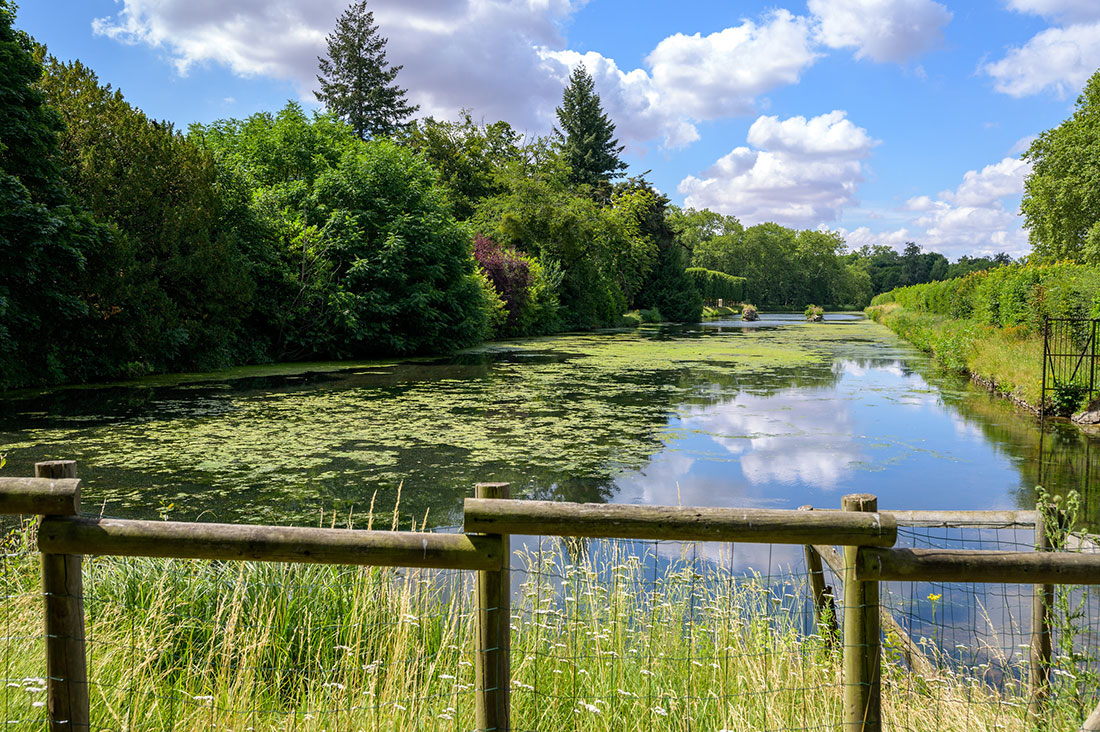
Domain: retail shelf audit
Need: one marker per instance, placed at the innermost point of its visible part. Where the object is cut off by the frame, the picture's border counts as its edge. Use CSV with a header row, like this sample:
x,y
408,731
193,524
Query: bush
x,y
652,315
715,286
748,312
1015,295
814,313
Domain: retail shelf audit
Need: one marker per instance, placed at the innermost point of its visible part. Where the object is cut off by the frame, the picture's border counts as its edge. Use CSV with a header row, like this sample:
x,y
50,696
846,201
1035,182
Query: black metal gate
x,y
1069,363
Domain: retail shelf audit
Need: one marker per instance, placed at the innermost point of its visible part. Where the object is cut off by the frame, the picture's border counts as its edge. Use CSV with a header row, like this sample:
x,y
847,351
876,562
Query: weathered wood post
x,y
1042,600
492,670
862,650
823,602
66,665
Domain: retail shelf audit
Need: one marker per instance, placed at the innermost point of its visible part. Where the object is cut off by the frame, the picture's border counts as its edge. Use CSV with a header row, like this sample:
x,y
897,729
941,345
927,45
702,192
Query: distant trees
x,y
357,83
587,135
1061,203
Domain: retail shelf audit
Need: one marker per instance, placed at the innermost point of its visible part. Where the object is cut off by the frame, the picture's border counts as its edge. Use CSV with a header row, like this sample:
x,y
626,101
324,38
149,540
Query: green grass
x,y
600,641
1009,358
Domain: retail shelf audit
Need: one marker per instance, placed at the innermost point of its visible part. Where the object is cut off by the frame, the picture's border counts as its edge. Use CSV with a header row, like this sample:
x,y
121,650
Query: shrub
x,y
814,313
748,312
715,286
508,271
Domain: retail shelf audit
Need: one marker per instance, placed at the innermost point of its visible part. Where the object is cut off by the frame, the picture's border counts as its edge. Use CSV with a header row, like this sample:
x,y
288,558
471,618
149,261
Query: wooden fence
x,y
866,535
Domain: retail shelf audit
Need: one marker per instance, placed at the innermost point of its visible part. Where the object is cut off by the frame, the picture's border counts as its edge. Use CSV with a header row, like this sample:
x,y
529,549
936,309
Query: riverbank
x,y
1007,361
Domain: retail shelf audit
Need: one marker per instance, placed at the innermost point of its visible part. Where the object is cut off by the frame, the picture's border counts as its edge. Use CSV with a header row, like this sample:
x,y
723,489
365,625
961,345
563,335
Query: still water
x,y
777,413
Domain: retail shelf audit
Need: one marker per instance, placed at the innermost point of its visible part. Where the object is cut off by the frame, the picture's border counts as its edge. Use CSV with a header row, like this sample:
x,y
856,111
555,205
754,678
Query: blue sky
x,y
887,120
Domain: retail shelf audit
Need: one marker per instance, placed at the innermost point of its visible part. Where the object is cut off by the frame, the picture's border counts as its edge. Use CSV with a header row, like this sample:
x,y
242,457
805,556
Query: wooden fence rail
x,y
865,534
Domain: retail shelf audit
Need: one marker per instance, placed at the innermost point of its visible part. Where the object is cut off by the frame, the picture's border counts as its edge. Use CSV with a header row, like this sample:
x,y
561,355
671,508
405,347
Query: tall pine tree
x,y
587,135
357,83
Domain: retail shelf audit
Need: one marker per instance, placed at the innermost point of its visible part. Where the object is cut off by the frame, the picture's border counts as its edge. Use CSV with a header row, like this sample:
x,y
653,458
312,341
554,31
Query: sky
x,y
886,120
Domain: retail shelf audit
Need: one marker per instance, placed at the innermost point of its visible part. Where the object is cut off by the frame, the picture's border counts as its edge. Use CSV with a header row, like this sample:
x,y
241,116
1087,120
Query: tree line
x,y
130,247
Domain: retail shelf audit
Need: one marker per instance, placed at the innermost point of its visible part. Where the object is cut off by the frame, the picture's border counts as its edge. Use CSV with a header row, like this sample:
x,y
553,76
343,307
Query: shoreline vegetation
x,y
988,325
599,635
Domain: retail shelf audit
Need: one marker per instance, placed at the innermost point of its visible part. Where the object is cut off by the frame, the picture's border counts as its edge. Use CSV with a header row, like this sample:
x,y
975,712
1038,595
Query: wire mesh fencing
x,y
605,635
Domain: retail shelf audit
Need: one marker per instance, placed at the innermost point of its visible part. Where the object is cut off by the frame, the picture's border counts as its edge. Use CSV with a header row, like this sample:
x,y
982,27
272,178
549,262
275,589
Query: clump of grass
x,y
600,634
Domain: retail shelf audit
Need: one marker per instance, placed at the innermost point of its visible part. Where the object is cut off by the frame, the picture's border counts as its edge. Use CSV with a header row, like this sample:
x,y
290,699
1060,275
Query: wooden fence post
x,y
492,672
1042,600
862,648
66,665
824,605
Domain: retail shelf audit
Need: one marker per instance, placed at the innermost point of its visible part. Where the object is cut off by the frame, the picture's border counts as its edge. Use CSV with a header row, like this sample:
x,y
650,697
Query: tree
x,y
1061,203
587,136
357,83
45,241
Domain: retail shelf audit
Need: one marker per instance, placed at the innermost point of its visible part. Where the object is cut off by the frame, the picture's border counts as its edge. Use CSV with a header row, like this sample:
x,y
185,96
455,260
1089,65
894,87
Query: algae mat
x,y
595,417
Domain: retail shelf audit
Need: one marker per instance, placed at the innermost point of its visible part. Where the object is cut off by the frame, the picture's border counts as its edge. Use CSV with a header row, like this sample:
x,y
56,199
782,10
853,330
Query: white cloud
x,y
883,30
1062,10
803,174
481,54
971,219
719,75
1057,59
863,235
505,59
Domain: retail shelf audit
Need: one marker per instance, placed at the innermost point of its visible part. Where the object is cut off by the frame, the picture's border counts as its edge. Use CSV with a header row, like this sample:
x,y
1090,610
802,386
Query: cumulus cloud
x,y
468,53
504,58
1062,10
800,173
971,219
1059,60
882,30
720,74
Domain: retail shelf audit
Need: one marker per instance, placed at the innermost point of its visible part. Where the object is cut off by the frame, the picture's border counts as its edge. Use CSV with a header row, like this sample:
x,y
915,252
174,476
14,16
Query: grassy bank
x,y
1008,360
989,324
599,637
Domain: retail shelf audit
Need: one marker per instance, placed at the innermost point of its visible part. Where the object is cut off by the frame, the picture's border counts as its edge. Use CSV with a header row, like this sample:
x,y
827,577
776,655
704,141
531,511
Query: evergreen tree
x,y
588,139
357,83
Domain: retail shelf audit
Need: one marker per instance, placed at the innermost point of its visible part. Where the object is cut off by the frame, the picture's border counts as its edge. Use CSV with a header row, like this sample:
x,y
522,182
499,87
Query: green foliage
x,y
467,157
172,285
1061,203
46,242
652,315
371,260
587,135
577,243
666,286
782,268
814,313
357,83
713,286
1015,295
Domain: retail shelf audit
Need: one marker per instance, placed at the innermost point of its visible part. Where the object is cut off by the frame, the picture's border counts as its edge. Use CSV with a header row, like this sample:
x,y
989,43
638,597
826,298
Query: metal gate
x,y
1069,363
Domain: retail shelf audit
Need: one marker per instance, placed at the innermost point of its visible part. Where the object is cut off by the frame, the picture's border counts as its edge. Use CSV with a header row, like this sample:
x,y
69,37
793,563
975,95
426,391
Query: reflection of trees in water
x,y
1056,455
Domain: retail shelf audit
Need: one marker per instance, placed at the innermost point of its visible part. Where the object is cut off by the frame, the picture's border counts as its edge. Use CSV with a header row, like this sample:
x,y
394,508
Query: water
x,y
778,413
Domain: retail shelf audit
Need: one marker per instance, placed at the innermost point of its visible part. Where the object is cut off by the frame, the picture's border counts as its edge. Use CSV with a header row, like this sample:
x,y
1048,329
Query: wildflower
x,y
589,707
933,596
660,711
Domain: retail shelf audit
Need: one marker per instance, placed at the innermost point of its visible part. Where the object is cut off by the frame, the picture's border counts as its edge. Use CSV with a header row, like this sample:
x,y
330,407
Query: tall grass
x,y
603,638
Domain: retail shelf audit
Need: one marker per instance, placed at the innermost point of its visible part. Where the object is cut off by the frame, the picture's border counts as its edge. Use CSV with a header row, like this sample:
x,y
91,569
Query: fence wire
x,y
605,635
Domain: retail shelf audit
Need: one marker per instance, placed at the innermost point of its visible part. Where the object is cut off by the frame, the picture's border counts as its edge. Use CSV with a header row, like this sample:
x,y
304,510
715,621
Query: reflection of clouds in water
x,y
784,438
